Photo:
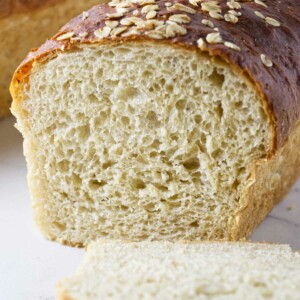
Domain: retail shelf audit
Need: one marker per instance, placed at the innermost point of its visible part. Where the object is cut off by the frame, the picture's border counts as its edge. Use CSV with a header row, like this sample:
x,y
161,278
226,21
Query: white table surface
x,y
30,266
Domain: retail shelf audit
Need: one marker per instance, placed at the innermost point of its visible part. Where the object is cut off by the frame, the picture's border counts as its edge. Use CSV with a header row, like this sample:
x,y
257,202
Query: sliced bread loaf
x,y
163,270
27,24
163,120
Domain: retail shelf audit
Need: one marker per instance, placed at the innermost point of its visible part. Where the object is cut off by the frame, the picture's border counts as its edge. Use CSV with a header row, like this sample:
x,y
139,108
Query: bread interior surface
x,y
160,270
140,141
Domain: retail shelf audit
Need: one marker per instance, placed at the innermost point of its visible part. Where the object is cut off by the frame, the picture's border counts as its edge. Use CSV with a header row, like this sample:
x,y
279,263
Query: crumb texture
x,y
162,270
140,141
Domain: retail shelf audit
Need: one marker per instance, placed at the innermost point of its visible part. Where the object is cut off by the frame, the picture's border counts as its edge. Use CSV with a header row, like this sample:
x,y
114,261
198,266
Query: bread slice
x,y
164,270
27,24
180,132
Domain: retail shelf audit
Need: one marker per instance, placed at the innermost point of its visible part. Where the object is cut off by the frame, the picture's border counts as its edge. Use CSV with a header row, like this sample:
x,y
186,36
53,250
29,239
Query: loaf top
x,y
8,7
259,38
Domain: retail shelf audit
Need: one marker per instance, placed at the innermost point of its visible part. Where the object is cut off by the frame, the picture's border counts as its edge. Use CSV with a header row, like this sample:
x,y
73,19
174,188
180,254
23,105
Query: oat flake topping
x,y
169,20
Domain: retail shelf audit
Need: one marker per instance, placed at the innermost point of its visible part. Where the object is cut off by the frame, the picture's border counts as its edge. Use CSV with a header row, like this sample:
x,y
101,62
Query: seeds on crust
x,y
83,34
201,44
118,31
76,38
151,14
233,4
124,4
268,20
149,8
180,18
116,15
171,27
260,15
130,32
207,23
181,7
145,2
126,22
170,33
232,46
66,36
154,34
134,20
235,13
122,10
102,33
178,29
211,6
135,13
216,15
214,38
266,60
119,3
194,2
85,15
260,3
150,24
272,22
113,3
112,24
231,18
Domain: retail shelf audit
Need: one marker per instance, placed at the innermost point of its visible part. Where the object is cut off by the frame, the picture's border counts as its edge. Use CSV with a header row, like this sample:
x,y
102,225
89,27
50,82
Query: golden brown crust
x,y
278,84
9,7
62,294
271,181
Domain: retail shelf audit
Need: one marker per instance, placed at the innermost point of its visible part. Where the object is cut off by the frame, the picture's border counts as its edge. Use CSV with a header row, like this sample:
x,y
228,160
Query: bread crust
x,y
62,294
271,181
278,85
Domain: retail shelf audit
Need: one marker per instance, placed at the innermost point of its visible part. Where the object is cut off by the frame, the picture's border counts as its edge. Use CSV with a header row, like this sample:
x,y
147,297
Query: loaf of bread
x,y
162,120
26,24
163,270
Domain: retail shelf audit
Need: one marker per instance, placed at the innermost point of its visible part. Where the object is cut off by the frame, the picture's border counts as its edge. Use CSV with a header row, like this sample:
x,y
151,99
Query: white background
x,y
30,266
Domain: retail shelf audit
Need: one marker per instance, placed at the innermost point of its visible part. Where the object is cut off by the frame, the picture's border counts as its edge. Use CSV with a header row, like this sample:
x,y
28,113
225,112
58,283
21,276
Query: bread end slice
x,y
140,141
164,270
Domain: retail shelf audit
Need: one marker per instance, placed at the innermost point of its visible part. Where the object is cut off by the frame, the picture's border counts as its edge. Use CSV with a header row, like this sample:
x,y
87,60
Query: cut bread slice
x,y
27,24
117,146
164,270
149,136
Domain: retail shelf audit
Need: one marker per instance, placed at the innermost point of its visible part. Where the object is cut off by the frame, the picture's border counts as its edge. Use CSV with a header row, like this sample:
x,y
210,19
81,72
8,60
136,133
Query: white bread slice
x,y
164,270
117,146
